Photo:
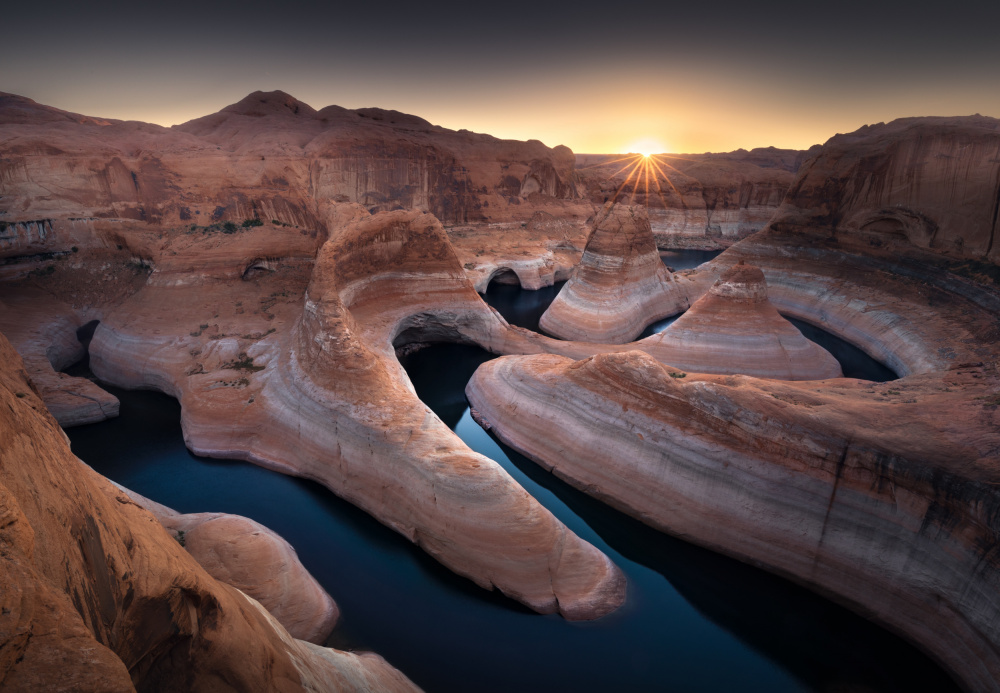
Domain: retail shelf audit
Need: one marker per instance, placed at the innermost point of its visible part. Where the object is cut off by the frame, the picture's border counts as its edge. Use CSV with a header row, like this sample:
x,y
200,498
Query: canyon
x,y
271,264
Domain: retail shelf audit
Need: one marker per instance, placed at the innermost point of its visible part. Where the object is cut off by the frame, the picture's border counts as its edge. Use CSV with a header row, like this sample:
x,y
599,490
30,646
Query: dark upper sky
x,y
602,77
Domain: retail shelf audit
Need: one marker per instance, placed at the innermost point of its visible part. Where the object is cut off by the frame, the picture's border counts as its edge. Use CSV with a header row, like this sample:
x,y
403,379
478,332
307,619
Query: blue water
x,y
525,308
854,362
693,620
678,260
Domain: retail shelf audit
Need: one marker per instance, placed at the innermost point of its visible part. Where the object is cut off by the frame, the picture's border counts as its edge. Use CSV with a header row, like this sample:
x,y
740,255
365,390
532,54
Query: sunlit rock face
x,y
734,329
696,200
98,596
619,286
881,494
268,157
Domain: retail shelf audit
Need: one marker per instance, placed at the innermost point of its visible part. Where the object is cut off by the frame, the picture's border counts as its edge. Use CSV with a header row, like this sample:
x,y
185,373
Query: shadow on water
x,y
693,620
518,306
854,362
683,259
822,645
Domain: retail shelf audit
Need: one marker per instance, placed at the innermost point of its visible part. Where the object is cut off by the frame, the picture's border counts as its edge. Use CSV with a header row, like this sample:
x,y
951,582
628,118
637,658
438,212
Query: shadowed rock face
x,y
255,560
734,329
619,286
882,495
886,506
933,183
96,595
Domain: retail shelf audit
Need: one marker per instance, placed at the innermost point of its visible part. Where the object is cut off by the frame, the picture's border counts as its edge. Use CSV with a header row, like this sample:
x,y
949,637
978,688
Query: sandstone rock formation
x,y
250,557
234,263
320,369
43,331
700,201
96,595
620,285
734,329
268,157
878,494
931,183
865,492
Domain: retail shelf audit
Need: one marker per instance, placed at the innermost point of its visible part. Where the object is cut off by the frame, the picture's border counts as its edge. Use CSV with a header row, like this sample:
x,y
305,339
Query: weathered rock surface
x,y
43,331
734,329
324,375
880,495
931,183
96,595
268,157
255,560
864,492
620,285
264,344
700,201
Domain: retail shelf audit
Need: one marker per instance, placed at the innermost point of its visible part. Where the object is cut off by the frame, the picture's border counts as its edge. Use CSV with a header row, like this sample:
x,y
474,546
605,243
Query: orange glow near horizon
x,y
641,167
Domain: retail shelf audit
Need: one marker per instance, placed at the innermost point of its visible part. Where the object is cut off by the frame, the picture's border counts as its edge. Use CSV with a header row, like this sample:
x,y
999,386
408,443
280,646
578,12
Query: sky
x,y
597,77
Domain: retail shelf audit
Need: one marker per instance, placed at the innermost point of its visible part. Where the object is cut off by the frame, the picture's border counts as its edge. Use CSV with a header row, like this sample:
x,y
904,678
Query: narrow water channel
x,y
693,620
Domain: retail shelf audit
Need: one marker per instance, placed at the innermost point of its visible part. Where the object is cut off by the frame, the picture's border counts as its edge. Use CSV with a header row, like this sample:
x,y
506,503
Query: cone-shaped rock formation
x,y
734,329
620,285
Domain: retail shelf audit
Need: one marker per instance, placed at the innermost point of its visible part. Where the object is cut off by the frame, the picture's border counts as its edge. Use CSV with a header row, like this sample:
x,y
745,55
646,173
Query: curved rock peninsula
x,y
881,495
620,285
255,560
247,265
86,570
734,329
839,485
324,375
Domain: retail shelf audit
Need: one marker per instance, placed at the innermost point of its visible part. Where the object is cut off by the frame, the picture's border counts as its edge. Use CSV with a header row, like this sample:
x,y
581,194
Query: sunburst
x,y
645,170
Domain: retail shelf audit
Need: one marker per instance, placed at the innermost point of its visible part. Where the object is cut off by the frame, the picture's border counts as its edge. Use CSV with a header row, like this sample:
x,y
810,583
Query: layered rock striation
x,y
702,201
324,375
98,596
619,286
267,157
866,493
734,329
255,560
930,183
879,495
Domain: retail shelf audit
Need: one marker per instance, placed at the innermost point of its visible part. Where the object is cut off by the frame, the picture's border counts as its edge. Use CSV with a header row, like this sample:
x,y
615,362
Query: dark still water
x,y
520,307
854,362
678,260
525,308
693,620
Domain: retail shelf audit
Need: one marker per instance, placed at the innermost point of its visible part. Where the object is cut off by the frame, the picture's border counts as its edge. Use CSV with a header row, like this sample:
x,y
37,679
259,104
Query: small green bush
x,y
247,223
229,227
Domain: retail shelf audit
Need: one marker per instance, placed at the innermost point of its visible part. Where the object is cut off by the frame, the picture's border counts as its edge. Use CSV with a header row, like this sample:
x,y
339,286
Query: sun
x,y
646,146
642,174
